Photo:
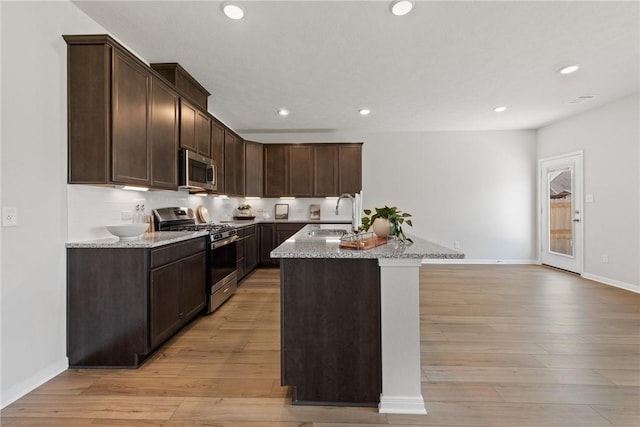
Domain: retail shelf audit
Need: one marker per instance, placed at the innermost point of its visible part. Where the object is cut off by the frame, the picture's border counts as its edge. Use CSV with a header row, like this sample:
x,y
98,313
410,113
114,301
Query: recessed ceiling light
x,y
233,10
500,109
364,111
401,7
569,69
283,112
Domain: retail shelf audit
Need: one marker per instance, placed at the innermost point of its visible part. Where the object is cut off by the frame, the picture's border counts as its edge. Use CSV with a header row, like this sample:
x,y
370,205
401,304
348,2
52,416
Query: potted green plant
x,y
387,221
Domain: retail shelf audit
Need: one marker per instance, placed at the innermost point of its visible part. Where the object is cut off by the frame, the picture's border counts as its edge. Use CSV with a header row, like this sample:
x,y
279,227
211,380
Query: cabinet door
x,y
203,134
250,252
166,302
194,277
163,134
229,162
267,243
130,119
325,170
239,165
284,231
217,145
300,170
275,170
188,114
350,168
233,164
240,255
254,169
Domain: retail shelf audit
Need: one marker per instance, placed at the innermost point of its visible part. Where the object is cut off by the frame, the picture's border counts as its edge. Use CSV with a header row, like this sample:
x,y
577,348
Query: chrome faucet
x,y
354,226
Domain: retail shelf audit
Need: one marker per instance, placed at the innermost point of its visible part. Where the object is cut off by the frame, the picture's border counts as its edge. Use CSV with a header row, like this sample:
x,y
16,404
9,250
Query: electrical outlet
x,y
10,216
456,244
588,198
126,215
605,258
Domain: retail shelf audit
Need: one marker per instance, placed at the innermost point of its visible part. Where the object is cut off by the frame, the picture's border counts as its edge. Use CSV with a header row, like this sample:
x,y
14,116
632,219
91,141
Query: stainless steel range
x,y
222,280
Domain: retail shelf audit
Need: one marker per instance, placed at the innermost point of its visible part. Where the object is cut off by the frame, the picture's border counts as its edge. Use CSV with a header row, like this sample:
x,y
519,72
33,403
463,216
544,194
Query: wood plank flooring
x,y
501,346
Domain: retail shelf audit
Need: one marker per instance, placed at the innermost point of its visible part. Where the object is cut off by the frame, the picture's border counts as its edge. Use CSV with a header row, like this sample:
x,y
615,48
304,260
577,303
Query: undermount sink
x,y
337,232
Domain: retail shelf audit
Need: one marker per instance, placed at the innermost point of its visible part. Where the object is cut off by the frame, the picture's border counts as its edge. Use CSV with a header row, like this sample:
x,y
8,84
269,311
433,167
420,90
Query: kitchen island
x,y
350,320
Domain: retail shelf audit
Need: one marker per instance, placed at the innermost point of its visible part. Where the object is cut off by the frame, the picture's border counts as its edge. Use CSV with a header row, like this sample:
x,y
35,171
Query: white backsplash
x,y
91,208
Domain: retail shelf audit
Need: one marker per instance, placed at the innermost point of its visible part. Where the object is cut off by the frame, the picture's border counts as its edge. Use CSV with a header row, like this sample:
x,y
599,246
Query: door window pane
x,y
560,211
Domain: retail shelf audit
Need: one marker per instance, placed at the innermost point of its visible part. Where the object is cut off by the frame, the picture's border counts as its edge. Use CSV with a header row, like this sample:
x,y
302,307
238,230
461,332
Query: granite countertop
x,y
161,238
302,245
238,223
147,240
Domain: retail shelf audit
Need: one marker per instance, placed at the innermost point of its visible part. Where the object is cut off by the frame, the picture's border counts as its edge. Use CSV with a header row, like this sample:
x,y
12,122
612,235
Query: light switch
x,y
588,198
10,216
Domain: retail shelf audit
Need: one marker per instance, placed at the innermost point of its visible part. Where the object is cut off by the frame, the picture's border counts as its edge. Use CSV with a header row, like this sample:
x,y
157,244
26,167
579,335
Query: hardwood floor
x,y
501,346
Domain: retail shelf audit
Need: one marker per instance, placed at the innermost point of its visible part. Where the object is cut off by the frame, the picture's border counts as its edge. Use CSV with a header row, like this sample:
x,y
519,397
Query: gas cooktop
x,y
184,219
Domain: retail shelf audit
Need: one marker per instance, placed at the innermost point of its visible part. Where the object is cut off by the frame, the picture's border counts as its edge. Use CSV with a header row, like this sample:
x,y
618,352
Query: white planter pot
x,y
381,227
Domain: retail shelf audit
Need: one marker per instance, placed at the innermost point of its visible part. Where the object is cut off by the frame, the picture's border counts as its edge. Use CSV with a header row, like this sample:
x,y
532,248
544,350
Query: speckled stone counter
x,y
303,245
161,238
246,222
147,240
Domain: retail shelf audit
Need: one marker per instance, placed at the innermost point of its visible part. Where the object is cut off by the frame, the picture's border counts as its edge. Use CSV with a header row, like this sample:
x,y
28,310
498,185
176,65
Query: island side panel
x,y
331,351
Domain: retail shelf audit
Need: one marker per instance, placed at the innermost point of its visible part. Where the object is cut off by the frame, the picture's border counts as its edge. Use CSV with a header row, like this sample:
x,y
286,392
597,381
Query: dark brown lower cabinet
x,y
272,236
177,295
330,331
267,244
251,250
123,303
247,251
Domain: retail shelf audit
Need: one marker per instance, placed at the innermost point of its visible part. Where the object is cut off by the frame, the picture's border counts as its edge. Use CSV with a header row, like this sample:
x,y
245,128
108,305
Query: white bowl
x,y
127,231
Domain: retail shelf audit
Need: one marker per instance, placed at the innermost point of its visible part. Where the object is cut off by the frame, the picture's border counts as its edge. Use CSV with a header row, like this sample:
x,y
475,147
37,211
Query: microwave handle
x,y
214,174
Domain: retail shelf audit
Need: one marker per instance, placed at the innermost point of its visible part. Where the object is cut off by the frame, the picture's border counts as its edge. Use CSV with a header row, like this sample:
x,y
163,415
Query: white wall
x,y
477,188
610,138
33,161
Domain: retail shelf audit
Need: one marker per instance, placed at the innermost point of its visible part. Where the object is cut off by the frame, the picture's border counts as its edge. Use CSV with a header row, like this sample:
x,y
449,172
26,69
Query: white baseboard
x,y
480,261
413,405
34,381
611,282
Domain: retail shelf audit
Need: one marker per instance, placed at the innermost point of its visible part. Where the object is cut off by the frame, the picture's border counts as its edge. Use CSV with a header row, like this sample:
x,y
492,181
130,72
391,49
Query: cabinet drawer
x,y
223,294
177,251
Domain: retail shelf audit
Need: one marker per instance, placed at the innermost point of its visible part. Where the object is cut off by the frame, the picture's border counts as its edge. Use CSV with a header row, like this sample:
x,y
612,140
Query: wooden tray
x,y
366,243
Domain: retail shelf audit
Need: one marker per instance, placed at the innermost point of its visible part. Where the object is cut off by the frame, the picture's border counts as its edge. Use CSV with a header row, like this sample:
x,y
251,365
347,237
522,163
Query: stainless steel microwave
x,y
196,172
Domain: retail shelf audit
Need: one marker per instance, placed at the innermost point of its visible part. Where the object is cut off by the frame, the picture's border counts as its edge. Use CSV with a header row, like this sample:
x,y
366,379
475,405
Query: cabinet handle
x,y
225,291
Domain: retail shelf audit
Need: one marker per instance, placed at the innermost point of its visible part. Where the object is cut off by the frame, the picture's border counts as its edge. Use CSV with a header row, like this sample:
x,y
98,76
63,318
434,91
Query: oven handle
x,y
223,242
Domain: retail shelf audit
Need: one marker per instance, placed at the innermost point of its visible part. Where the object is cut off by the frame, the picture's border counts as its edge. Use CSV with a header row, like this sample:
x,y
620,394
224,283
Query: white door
x,y
560,192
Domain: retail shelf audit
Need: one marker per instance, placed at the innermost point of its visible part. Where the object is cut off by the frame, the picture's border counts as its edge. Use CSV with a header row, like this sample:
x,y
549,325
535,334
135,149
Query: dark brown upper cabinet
x,y
325,170
130,100
300,170
184,83
115,133
312,170
217,151
195,129
275,170
163,131
233,164
253,169
349,168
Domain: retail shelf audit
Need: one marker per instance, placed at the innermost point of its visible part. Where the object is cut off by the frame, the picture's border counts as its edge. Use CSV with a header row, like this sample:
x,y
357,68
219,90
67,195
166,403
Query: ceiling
x,y
442,67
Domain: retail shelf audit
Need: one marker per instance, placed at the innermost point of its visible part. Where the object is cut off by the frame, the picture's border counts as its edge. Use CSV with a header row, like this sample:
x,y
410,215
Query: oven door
x,y
223,278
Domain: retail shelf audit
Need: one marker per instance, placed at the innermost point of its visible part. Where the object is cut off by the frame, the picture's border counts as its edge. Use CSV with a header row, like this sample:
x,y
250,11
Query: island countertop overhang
x,y
303,245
